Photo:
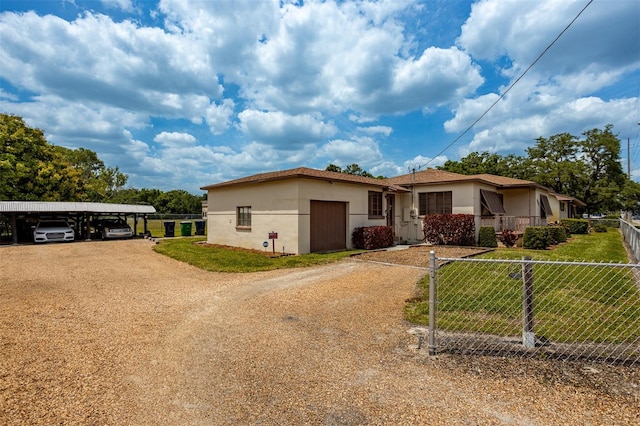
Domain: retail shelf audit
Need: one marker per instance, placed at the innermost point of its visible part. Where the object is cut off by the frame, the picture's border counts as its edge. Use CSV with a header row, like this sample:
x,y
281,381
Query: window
x,y
434,203
375,204
545,206
491,203
243,217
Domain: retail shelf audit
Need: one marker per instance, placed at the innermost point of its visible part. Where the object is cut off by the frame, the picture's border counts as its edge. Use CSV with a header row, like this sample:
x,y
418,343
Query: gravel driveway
x,y
113,333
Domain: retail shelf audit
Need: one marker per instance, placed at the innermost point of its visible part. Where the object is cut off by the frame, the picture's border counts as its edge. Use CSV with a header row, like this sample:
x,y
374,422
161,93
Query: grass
x,y
227,259
572,303
156,226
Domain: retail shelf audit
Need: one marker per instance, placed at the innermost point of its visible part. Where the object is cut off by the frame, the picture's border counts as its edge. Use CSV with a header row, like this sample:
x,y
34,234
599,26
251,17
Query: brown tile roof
x,y
432,176
428,176
304,172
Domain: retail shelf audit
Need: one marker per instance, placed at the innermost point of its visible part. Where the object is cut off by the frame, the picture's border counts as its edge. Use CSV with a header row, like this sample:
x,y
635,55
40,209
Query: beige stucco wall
x,y
282,207
465,199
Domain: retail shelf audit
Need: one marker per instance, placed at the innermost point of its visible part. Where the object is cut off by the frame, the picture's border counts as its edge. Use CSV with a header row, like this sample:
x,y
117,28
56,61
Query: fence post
x,y
528,334
432,303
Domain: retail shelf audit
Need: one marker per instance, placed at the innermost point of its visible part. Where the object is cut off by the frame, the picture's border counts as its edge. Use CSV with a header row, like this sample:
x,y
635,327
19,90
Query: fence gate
x,y
565,310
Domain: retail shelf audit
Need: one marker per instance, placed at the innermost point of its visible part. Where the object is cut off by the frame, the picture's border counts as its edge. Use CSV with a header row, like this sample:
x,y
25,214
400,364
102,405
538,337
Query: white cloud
x,y
363,151
219,116
284,130
381,130
175,139
125,5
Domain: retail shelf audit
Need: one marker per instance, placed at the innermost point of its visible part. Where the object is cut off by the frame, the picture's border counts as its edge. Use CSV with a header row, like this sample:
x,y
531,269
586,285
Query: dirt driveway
x,y
113,333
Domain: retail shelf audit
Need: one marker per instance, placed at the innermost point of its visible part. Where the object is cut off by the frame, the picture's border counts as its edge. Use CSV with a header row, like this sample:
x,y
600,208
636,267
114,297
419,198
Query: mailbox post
x,y
273,236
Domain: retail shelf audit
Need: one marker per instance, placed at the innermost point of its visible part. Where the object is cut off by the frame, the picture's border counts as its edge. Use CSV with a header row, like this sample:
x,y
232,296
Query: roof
x,y
433,176
70,207
304,172
568,198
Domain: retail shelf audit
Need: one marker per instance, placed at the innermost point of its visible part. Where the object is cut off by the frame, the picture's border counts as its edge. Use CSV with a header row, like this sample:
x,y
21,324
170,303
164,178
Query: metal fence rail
x,y
566,310
631,236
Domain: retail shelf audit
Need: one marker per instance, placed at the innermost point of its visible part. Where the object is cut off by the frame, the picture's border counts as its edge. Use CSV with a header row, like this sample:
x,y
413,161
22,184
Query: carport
x,y
16,216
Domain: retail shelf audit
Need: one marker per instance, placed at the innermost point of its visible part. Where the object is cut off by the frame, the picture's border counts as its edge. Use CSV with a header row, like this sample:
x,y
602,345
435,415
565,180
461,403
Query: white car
x,y
53,230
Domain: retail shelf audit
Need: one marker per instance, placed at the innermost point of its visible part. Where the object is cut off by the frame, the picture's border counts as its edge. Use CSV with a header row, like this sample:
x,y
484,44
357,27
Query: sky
x,y
181,94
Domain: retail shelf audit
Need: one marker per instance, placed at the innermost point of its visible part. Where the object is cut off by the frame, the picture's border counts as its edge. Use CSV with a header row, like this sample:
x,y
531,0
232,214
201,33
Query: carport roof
x,y
72,207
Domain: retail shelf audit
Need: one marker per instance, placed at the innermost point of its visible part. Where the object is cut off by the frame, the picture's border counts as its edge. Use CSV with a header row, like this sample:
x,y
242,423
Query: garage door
x,y
328,226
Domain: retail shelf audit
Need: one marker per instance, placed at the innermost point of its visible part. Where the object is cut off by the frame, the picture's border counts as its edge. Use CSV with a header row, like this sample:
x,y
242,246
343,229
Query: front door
x,y
391,209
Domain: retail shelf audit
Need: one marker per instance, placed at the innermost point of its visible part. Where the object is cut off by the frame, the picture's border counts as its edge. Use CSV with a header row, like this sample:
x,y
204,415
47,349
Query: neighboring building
x,y
313,210
205,203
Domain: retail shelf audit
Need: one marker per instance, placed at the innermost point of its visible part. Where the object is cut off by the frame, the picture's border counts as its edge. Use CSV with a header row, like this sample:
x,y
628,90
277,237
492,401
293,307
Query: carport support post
x,y
14,229
528,335
431,341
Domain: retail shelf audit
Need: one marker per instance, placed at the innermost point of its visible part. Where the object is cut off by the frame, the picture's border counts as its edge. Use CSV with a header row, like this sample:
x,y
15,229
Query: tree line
x,y
32,169
588,168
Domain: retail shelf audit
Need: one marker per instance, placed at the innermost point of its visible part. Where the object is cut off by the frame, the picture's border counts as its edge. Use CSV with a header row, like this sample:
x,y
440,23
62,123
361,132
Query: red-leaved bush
x,y
508,238
372,237
450,229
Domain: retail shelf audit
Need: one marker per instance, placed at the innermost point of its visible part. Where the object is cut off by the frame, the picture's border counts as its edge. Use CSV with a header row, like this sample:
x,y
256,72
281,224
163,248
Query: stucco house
x,y
305,210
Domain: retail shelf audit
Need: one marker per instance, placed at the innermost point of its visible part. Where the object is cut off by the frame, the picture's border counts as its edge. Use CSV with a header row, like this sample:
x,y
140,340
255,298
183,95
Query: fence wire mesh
x,y
566,310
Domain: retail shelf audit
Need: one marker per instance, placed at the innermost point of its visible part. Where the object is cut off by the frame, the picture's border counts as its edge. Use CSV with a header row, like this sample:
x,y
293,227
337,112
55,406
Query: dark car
x,y
108,228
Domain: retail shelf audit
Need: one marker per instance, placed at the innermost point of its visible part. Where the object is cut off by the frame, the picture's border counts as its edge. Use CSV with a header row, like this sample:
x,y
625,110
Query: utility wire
x,y
509,88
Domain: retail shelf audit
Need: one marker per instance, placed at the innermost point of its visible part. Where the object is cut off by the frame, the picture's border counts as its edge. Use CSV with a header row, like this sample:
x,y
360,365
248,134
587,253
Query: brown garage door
x,y
328,225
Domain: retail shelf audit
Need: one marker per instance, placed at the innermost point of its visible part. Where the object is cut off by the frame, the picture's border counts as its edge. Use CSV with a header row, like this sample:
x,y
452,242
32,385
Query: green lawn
x,y
225,259
572,302
156,226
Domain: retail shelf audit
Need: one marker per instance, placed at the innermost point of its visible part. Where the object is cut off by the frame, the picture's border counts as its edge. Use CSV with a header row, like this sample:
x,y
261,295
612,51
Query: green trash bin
x,y
185,229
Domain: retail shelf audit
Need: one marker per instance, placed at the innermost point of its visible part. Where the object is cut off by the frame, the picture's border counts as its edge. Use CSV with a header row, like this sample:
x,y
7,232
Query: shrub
x,y
450,229
508,238
557,234
372,237
536,238
487,237
576,226
599,227
609,223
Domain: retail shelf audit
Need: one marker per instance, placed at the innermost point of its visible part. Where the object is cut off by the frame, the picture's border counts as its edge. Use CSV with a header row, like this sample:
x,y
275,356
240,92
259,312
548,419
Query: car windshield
x,y
114,222
53,224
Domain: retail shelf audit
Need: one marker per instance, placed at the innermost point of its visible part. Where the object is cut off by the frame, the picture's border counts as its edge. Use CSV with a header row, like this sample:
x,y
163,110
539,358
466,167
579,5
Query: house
x,y
298,210
305,210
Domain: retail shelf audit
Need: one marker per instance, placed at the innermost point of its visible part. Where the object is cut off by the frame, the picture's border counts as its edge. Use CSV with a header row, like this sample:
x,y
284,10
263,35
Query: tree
x,y
351,169
33,169
485,162
30,168
605,179
554,163
334,168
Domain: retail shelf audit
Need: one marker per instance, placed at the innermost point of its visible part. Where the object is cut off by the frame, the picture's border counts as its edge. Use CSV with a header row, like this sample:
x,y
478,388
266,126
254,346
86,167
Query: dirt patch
x,y
114,333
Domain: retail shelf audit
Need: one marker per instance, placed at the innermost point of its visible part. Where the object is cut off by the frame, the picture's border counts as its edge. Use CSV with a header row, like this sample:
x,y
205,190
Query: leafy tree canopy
x,y
586,168
31,169
351,169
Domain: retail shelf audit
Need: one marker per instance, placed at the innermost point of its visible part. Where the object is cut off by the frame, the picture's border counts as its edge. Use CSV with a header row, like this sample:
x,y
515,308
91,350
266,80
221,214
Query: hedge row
x,y
541,237
576,226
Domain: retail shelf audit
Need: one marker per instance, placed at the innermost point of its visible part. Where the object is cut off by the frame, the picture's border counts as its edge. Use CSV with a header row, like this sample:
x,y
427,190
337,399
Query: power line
x,y
510,87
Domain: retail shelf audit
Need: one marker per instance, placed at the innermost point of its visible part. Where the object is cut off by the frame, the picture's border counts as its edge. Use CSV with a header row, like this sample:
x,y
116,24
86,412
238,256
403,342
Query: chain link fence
x,y
526,308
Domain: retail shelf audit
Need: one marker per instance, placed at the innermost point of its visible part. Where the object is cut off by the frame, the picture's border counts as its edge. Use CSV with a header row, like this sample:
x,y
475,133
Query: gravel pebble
x,y
114,333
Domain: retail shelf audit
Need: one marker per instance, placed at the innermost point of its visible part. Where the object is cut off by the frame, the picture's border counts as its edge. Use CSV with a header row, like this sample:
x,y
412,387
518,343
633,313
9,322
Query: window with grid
x,y
375,204
243,216
434,203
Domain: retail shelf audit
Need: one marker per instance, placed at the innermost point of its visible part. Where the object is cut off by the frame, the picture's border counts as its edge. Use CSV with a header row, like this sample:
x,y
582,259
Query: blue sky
x,y
181,94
